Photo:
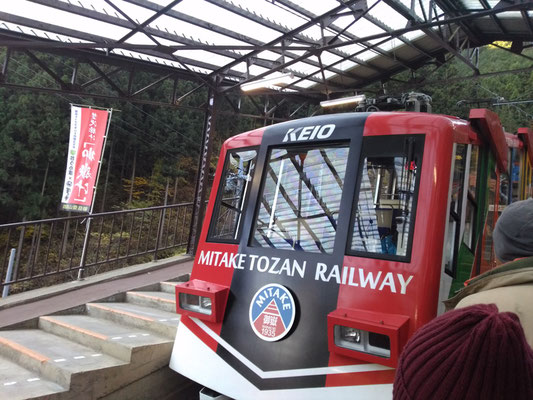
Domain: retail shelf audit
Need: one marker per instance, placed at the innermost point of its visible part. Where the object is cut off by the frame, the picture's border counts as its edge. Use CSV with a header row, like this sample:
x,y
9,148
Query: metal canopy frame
x,y
325,52
330,47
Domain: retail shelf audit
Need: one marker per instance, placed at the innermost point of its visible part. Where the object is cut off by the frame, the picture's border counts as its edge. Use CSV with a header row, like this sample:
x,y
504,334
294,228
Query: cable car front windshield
x,y
300,198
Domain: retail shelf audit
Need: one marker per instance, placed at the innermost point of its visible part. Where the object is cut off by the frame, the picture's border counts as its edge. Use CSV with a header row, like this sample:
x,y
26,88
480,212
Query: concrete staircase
x,y
116,348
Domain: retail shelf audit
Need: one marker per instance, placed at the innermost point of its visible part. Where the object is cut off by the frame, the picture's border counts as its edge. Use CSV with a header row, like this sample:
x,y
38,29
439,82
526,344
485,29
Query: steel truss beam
x,y
296,35
99,39
254,43
415,20
285,36
286,45
463,78
152,33
342,31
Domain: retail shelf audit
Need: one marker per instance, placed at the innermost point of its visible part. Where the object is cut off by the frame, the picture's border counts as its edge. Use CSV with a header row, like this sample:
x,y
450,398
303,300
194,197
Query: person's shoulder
x,y
517,272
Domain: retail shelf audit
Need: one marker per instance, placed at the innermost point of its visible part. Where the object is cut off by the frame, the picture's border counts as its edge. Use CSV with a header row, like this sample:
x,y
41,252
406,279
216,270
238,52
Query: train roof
x,y
355,116
481,122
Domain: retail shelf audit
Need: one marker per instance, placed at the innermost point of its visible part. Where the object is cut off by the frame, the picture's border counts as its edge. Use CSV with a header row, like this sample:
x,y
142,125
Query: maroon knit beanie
x,y
470,353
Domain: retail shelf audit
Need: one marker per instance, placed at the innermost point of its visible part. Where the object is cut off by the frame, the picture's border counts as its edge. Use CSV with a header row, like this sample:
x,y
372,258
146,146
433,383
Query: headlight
x,y
348,334
201,299
363,341
365,335
195,303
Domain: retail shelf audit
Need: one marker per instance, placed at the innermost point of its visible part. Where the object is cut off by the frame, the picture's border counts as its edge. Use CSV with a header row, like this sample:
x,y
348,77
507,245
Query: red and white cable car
x,y
328,242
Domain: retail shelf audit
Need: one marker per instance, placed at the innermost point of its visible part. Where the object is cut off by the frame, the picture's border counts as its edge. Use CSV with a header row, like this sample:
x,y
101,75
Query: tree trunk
x,y
107,176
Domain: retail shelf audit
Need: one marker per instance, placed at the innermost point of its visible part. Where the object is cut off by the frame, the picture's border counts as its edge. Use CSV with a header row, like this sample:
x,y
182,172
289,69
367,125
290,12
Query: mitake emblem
x,y
272,312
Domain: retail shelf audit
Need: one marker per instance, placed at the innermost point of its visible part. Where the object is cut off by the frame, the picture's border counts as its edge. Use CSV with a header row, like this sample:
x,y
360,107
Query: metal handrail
x,y
49,251
17,224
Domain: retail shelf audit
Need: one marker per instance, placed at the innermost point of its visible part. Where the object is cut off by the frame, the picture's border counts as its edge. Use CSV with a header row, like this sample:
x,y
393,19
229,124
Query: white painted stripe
x,y
163,320
116,338
79,357
192,358
290,372
10,383
174,319
145,334
60,359
33,379
132,335
96,355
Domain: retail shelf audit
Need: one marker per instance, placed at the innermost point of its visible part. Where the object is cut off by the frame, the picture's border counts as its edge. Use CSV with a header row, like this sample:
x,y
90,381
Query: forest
x,y
151,157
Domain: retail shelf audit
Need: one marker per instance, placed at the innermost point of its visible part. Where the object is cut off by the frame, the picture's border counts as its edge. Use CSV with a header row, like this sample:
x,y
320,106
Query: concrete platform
x,y
108,337
21,307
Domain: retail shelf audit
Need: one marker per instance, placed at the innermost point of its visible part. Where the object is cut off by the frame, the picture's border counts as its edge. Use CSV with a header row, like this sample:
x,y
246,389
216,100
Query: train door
x,y
456,218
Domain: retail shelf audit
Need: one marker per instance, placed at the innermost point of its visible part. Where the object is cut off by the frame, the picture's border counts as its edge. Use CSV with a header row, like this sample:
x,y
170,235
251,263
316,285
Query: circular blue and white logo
x,y
272,312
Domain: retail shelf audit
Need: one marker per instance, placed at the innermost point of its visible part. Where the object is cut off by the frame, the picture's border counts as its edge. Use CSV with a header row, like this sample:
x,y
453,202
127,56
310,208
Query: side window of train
x,y
299,202
472,199
488,260
385,207
232,195
453,230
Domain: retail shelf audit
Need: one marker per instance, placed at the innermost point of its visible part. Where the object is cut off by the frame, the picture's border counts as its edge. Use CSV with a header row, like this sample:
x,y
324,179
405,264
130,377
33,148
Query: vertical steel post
x,y
19,250
5,292
203,171
161,227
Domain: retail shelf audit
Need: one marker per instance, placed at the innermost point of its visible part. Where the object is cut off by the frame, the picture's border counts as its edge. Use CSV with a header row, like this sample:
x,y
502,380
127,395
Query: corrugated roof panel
x,y
413,35
329,58
193,32
63,19
302,68
476,4
138,14
320,7
364,28
268,10
39,33
204,56
384,13
139,38
390,44
359,50
346,65
220,26
269,55
314,33
219,16
257,70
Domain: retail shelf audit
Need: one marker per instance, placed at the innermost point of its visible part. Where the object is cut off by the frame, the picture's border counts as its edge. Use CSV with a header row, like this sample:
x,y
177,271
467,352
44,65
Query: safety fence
x,y
41,253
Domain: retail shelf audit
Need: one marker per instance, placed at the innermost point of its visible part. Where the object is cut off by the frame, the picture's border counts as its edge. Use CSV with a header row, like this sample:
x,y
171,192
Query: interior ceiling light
x,y
268,82
343,100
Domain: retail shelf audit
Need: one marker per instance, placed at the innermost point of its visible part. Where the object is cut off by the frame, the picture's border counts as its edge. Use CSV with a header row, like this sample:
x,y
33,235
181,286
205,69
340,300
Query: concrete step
x,y
152,319
161,300
80,368
19,383
116,349
163,384
168,287
120,341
